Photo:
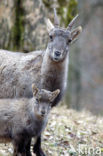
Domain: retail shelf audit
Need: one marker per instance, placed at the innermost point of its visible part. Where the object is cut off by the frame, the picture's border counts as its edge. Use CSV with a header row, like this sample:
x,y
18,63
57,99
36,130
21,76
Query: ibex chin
x,y
21,119
47,69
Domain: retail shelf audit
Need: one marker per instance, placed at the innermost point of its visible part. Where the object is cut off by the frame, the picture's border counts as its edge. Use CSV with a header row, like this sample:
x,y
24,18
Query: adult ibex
x,y
47,69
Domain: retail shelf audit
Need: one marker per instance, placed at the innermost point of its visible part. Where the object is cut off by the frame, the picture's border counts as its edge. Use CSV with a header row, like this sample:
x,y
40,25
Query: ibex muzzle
x,y
60,38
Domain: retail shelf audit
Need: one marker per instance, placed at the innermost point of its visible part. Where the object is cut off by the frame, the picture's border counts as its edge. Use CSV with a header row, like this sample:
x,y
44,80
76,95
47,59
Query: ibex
x,y
21,119
48,69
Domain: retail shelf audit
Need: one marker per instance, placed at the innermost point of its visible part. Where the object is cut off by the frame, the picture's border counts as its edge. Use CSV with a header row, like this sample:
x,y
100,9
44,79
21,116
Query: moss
x,y
18,28
71,11
62,2
66,9
47,3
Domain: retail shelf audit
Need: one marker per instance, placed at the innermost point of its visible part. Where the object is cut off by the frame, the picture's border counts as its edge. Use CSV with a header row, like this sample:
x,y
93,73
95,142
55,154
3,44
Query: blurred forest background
x,y
22,28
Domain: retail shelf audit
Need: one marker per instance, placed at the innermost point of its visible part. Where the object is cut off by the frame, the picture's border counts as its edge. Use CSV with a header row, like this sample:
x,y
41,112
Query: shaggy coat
x,y
22,119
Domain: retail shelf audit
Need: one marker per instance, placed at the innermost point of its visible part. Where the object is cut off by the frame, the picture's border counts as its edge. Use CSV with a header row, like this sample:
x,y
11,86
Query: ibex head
x,y
60,38
43,100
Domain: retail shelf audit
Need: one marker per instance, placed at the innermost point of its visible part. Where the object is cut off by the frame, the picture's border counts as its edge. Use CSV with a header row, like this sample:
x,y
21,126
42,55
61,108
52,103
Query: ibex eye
x,y
69,40
37,100
51,37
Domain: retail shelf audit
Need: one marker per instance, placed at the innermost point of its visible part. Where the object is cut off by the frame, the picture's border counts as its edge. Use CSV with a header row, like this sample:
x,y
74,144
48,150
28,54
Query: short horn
x,y
49,24
72,22
56,20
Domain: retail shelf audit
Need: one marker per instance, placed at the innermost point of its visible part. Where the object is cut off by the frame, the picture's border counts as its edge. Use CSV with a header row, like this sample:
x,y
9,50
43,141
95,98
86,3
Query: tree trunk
x,y
87,87
22,25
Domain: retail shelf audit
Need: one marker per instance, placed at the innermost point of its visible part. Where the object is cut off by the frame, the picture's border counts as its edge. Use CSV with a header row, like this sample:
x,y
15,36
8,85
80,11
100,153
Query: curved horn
x,y
56,20
72,22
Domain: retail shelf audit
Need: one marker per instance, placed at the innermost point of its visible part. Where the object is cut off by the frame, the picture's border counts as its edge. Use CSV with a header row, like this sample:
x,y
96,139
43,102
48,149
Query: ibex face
x,y
43,100
60,38
59,44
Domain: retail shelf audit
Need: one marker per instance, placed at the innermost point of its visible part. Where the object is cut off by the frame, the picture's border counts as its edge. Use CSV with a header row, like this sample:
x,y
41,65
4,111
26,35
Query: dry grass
x,y
68,133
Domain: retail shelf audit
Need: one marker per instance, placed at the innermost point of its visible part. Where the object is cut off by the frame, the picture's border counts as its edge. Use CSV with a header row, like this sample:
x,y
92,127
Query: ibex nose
x,y
57,53
43,112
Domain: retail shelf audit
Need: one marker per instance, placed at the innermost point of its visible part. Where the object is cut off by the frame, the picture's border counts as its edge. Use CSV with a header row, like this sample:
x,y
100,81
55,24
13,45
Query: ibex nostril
x,y
43,112
57,53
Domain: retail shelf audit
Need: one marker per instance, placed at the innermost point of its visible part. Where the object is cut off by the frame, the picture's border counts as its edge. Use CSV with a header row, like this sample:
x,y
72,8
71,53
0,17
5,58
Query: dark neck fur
x,y
54,74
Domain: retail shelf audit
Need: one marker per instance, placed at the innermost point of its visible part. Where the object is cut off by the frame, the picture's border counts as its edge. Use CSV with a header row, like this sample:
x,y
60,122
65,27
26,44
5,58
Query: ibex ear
x,y
49,24
34,89
76,32
54,95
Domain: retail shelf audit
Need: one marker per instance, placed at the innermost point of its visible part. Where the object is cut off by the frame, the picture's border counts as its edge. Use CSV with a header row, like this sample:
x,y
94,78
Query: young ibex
x,y
18,71
21,119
